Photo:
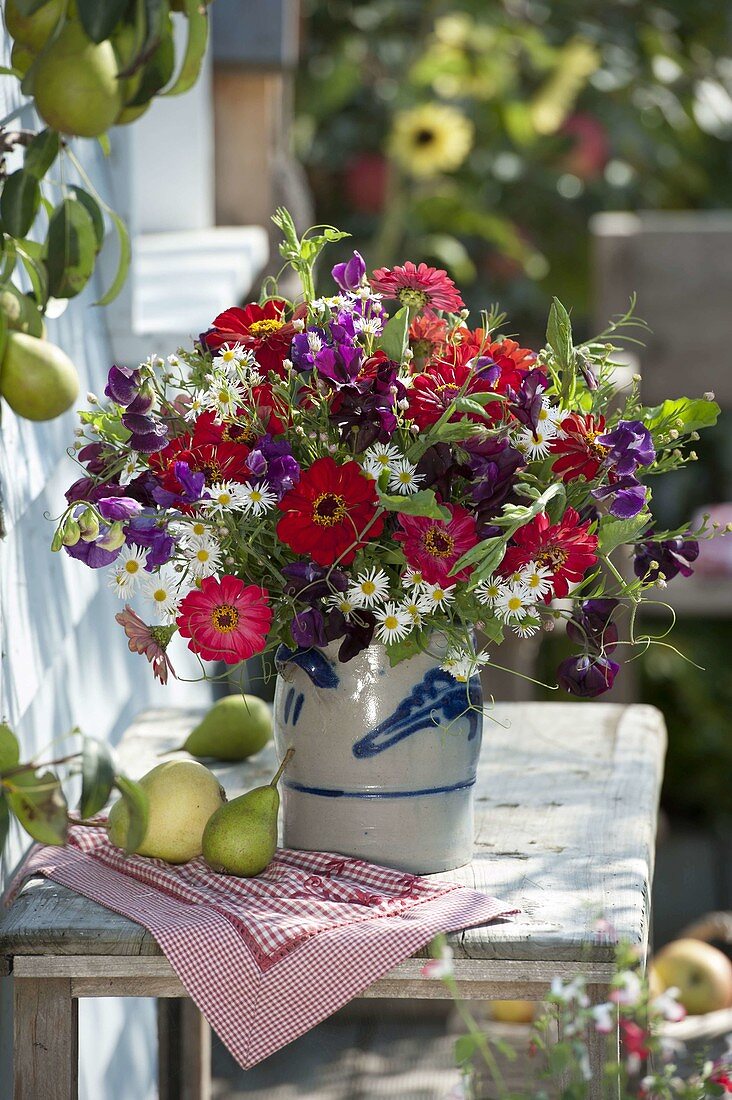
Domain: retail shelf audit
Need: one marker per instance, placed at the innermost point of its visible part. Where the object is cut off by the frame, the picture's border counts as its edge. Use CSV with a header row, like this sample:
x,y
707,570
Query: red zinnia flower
x,y
432,546
418,286
512,360
263,329
580,455
566,548
432,392
225,620
427,333
330,509
207,451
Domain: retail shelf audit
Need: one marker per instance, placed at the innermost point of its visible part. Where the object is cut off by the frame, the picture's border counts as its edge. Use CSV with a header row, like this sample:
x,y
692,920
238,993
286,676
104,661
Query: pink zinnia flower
x,y
432,546
418,286
225,620
150,640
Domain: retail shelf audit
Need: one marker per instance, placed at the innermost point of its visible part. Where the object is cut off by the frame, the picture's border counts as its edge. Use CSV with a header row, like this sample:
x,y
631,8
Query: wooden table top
x,y
566,804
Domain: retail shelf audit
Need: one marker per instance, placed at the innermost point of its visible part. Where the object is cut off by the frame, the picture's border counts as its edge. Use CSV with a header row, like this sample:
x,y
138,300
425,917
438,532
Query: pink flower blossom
x,y
225,620
152,641
440,967
432,546
418,286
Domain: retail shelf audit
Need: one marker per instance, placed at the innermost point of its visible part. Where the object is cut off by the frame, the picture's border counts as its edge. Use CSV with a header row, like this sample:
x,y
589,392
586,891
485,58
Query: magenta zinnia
x,y
432,546
421,286
225,620
149,640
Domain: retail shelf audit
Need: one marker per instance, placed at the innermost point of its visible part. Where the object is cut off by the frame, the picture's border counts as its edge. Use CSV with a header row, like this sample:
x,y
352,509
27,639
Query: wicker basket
x,y
707,1033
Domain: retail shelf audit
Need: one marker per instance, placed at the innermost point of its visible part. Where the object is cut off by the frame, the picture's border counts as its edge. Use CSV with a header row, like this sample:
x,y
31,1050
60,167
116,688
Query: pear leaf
x,y
197,18
71,246
99,20
41,153
19,202
136,802
97,776
37,800
9,748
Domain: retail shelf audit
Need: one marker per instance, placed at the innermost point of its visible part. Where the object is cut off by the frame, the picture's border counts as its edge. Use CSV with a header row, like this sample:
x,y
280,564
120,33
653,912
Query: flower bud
x,y
114,538
57,541
92,398
71,532
709,395
88,525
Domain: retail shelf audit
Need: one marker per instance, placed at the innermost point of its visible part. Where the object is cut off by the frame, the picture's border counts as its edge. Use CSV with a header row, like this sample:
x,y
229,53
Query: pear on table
x,y
182,795
241,837
234,728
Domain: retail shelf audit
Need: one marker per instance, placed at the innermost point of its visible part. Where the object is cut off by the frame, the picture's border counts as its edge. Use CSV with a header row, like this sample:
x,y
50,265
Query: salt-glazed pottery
x,y
385,758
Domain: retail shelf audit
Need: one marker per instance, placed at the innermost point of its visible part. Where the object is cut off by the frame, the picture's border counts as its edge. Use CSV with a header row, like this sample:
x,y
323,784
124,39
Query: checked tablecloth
x,y
267,958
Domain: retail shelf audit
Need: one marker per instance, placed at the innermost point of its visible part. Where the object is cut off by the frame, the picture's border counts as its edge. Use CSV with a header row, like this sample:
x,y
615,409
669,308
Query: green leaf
x,y
9,748
614,532
393,340
408,647
100,18
151,19
422,503
97,776
559,334
41,153
465,1049
3,335
467,405
686,414
485,558
123,264
37,800
35,269
4,821
158,70
197,17
516,515
137,808
71,246
95,212
19,202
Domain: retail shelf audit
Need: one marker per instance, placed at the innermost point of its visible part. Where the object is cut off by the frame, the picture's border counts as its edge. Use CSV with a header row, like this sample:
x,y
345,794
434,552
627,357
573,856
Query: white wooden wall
x,y
65,660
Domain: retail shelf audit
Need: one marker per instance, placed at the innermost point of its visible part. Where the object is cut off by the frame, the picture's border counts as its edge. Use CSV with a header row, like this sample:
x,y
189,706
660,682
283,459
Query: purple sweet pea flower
x,y
350,275
357,635
630,445
670,557
308,628
192,484
365,411
591,625
118,508
90,490
438,469
587,676
626,494
311,582
274,461
147,434
93,555
91,456
145,531
494,466
526,404
122,385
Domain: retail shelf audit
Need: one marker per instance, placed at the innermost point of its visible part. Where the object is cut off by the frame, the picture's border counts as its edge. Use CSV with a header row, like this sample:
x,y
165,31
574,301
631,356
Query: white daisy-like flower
x,y
257,499
413,578
196,405
489,591
526,628
368,326
437,597
550,417
194,528
225,495
129,570
223,396
403,477
315,343
161,589
381,456
417,605
511,604
341,602
536,579
369,588
129,470
229,356
203,556
393,623
535,445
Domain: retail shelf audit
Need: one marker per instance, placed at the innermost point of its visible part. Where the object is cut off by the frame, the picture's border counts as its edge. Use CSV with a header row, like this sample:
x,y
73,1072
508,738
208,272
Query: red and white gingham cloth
x,y
267,958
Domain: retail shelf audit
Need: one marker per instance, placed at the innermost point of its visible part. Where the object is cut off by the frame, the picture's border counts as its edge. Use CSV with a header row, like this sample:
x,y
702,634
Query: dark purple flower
x,y
526,403
350,275
91,490
147,433
311,582
122,385
438,469
670,557
630,445
146,531
365,411
357,635
192,484
591,625
308,628
118,508
274,461
626,495
92,457
494,465
587,676
93,555
142,403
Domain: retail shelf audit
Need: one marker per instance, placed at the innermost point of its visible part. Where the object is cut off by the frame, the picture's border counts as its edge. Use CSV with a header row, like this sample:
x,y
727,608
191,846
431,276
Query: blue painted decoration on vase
x,y
385,759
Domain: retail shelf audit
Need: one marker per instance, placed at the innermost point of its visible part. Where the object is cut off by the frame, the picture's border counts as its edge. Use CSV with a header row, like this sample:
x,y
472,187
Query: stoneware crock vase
x,y
385,758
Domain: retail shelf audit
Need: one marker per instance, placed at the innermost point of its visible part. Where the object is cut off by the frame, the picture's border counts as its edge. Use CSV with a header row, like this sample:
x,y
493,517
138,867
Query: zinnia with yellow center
x,y
225,620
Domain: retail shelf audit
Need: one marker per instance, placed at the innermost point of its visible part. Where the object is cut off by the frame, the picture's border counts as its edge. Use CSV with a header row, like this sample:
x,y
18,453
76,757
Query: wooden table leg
x,y
46,1040
184,1051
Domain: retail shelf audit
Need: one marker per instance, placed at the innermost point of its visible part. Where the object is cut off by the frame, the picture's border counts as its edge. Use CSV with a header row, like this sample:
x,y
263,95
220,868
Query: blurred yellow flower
x,y
431,139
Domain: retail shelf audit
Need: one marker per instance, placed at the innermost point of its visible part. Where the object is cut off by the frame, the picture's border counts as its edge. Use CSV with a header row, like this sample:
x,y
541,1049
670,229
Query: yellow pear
x,y
76,87
33,30
21,313
37,379
182,795
234,728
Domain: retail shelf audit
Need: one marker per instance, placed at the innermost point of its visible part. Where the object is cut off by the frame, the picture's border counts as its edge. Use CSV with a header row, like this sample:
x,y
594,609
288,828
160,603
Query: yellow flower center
x,y
256,496
224,498
438,543
329,509
224,618
438,594
160,595
368,588
132,566
203,555
514,603
405,477
199,529
264,328
391,622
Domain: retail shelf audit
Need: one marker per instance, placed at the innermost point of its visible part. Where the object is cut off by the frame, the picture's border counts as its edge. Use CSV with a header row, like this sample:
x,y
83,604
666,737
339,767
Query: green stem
x,y
480,1039
286,760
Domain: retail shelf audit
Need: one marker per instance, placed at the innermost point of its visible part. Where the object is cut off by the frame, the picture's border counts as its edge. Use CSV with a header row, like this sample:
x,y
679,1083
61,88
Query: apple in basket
x,y
701,973
513,1012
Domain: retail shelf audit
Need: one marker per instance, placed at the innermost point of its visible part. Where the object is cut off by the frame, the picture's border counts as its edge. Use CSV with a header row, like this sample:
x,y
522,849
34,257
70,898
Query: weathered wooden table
x,y
566,805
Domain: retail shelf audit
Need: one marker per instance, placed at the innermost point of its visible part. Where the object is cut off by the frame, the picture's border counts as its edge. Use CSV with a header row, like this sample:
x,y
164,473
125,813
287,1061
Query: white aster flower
x,y
368,326
258,498
228,358
416,606
196,405
129,570
462,664
393,622
129,470
225,495
369,588
223,396
536,579
341,602
203,556
413,578
403,477
437,597
526,628
535,445
511,603
194,528
550,417
489,591
381,456
161,589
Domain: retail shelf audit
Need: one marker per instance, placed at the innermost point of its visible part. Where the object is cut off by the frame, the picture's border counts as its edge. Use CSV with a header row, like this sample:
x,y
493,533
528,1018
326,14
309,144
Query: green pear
x,y
182,795
234,728
241,838
21,58
76,87
33,30
37,379
21,312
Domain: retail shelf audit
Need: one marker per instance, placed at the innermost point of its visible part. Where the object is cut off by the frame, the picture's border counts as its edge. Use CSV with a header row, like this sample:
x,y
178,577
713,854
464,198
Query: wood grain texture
x,y
184,1045
46,1047
566,805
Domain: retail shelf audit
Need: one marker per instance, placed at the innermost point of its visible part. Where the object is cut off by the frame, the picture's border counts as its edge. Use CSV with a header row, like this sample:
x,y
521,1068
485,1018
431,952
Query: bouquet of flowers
x,y
369,465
